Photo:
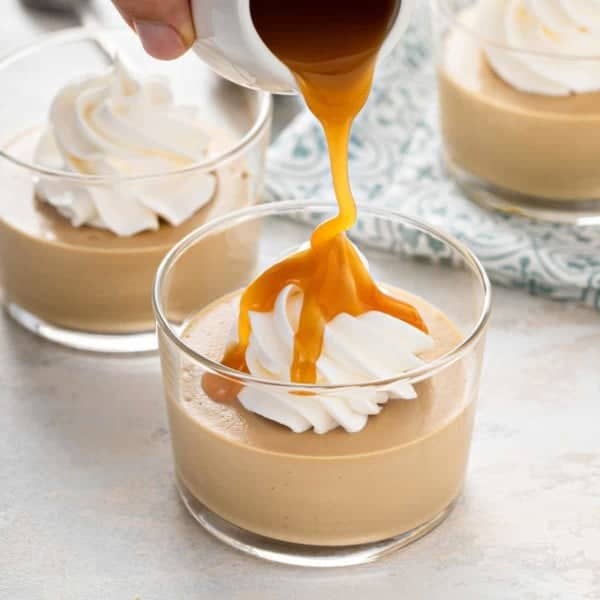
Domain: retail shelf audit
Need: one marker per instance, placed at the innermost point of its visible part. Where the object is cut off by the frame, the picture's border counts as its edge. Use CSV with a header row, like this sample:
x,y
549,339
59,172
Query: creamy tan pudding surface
x,y
93,280
532,144
404,468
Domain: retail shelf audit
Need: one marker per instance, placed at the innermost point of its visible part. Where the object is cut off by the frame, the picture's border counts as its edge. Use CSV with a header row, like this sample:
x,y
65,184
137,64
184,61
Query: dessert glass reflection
x,y
335,473
519,93
107,159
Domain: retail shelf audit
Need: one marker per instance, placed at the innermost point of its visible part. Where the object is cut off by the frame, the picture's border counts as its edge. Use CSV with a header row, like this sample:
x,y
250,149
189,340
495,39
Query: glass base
x,y
131,343
583,213
299,554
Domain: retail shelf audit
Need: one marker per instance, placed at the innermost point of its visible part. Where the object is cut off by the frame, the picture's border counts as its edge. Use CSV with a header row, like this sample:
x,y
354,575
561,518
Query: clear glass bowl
x,y
339,498
519,152
85,287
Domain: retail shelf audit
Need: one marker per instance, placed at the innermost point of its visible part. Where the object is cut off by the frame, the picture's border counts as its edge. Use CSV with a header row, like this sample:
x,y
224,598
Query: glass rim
x,y
443,8
83,33
281,207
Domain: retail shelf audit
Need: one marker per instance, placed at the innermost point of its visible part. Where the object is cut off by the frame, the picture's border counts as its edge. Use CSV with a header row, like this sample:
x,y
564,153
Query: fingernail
x,y
159,39
187,32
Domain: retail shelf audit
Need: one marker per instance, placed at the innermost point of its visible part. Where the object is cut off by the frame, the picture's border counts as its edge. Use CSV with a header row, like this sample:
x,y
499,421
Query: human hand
x,y
165,27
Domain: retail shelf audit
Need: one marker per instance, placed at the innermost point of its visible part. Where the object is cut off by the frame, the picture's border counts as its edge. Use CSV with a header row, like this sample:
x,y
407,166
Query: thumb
x,y
165,27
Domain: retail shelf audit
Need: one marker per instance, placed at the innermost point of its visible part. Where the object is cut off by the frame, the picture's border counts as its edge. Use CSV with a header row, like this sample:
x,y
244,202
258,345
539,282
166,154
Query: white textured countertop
x,y
88,509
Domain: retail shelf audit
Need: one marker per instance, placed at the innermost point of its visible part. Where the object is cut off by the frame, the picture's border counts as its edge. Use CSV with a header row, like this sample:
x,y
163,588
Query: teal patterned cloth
x,y
394,163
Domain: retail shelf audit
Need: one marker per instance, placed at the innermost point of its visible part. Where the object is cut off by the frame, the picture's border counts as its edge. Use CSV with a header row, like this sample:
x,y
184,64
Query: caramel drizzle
x,y
330,273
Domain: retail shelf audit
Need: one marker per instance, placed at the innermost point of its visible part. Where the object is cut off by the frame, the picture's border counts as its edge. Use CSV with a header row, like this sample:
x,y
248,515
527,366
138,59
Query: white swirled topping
x,y
114,125
563,28
355,350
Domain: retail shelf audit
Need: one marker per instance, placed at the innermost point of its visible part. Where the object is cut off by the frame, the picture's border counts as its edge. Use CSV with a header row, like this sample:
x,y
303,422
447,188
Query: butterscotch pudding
x,y
110,170
327,486
374,451
519,88
89,278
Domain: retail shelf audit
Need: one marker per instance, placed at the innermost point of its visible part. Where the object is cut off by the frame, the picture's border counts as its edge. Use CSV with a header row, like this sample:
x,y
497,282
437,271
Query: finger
x,y
165,27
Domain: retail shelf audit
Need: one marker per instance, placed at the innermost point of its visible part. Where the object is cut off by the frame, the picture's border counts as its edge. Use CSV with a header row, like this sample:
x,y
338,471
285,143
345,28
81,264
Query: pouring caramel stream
x,y
331,48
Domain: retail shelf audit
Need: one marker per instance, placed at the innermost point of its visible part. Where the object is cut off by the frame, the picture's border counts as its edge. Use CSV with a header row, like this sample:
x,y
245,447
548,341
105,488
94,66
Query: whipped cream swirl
x,y
355,350
562,28
115,125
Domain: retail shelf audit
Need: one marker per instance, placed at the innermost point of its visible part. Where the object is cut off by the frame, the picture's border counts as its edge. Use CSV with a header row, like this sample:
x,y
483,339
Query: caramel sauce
x,y
331,48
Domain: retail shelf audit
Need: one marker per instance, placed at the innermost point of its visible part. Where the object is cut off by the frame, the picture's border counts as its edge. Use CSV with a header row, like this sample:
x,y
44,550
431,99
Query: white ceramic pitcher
x,y
229,43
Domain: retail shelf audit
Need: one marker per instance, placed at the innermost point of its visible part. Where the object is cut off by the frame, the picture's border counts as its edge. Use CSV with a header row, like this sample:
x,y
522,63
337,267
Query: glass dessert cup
x,y
86,287
514,151
337,498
